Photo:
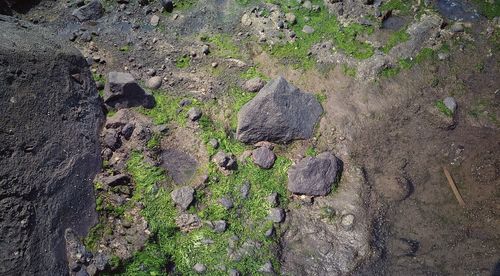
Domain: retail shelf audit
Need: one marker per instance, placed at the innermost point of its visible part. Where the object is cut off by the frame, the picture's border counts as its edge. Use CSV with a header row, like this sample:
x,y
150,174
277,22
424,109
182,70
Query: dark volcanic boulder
x,y
91,11
50,115
122,91
279,113
314,176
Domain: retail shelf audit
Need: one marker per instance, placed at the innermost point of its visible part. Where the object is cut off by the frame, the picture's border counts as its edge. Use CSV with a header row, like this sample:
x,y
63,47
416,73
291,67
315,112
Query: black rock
x,y
116,180
122,91
111,139
279,113
127,130
91,11
314,176
168,5
49,149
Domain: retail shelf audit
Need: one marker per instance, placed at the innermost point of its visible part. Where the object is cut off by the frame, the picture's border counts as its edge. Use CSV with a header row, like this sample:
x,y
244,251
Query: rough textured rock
x,y
49,154
91,11
331,236
263,157
314,176
279,113
122,91
254,85
183,197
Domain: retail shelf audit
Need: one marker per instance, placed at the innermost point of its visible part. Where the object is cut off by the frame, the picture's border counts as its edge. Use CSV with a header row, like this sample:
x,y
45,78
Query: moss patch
x,y
395,39
326,28
183,62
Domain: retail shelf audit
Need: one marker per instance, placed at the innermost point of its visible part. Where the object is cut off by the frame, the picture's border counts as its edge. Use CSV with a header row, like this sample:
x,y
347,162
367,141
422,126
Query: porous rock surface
x,y
49,150
279,113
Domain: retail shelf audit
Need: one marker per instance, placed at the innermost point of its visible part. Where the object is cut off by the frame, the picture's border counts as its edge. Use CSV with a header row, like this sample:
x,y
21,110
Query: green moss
x,y
326,28
154,142
253,72
183,62
311,151
443,109
222,45
488,8
423,55
349,71
390,72
99,78
395,39
167,109
486,109
125,48
403,6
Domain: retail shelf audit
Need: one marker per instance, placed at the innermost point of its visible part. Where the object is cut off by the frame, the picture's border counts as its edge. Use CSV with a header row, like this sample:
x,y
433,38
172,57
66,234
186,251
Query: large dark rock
x,y
50,115
279,113
314,176
122,91
91,11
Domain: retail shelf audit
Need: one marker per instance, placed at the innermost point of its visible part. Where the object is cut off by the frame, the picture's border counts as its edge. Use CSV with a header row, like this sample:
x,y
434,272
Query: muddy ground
x,y
384,120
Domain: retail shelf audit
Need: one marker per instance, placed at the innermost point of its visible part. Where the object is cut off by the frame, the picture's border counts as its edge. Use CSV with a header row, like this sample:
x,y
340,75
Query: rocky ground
x,y
294,137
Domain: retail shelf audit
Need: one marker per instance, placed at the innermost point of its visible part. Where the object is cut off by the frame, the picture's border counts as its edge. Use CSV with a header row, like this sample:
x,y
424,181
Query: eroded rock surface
x,y
279,113
49,154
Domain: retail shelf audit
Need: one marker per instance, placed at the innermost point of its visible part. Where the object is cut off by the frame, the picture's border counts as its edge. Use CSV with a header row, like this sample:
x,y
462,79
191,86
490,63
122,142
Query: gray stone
x,y
273,199
234,272
205,49
154,82
194,114
49,149
457,27
267,268
314,176
199,268
254,84
308,29
220,226
214,143
155,20
263,157
291,18
226,203
450,103
279,113
277,215
188,222
224,160
269,232
183,197
122,91
245,189
91,11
